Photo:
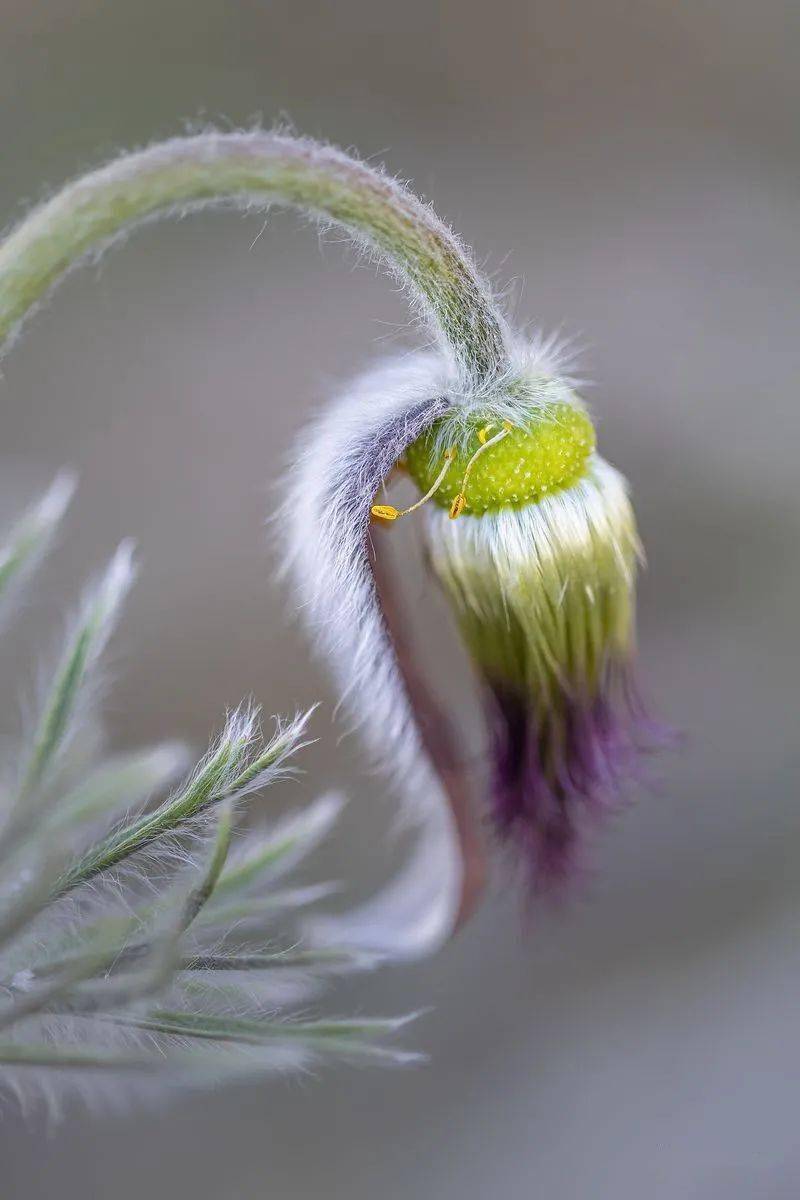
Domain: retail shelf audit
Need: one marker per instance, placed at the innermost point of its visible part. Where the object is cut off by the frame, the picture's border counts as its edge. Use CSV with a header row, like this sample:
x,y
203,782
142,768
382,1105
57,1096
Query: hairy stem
x,y
258,169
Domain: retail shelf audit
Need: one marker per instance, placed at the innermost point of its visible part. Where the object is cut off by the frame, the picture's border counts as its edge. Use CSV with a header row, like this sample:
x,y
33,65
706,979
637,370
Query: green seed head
x,y
548,452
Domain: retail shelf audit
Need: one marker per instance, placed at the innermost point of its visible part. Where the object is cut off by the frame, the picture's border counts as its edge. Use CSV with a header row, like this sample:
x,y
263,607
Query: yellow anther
x,y
483,434
387,512
460,501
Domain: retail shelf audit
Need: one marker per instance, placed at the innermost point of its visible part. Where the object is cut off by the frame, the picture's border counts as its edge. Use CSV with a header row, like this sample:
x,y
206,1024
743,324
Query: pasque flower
x,y
529,530
540,570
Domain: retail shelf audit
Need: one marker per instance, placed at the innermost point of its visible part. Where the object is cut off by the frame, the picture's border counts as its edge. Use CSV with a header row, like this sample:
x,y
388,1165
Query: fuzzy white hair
x,y
324,523
512,539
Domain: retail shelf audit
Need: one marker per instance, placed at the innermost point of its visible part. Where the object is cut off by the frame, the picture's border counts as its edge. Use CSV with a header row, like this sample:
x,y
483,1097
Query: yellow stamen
x,y
460,502
387,512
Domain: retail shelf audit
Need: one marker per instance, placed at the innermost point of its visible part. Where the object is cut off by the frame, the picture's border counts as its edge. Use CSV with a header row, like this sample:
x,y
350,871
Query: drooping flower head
x,y
529,531
533,538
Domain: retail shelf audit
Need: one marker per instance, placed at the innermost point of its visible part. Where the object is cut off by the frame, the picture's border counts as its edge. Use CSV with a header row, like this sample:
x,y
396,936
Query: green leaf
x,y
29,539
84,646
286,845
226,772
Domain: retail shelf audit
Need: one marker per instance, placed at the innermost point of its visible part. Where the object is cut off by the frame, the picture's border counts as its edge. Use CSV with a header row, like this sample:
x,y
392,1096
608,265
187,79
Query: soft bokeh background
x,y
632,171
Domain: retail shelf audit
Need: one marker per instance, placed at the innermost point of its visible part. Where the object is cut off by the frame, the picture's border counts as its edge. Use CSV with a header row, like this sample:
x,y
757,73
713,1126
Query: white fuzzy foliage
x,y
324,526
29,540
137,950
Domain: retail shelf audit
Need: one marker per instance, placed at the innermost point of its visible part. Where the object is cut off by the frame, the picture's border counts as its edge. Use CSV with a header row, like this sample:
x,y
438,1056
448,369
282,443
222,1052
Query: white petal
x,y
325,525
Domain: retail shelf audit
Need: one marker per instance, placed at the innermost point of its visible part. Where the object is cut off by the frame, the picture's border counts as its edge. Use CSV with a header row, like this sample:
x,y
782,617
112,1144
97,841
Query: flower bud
x,y
540,567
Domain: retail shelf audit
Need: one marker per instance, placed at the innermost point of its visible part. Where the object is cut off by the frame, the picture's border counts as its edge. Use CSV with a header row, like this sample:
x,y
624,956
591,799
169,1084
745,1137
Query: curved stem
x,y
258,169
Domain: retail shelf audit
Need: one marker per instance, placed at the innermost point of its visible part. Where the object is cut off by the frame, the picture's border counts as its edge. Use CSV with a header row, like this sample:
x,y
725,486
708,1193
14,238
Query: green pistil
x,y
546,454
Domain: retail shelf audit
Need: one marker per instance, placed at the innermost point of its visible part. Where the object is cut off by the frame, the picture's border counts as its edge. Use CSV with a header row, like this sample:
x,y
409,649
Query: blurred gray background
x,y
631,171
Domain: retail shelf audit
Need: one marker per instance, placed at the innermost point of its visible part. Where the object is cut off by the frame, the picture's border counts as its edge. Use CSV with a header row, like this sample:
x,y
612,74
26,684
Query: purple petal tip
x,y
554,769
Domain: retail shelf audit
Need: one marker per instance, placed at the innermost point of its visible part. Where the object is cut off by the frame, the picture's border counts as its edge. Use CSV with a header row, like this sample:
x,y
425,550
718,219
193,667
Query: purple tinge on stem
x,y
555,767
